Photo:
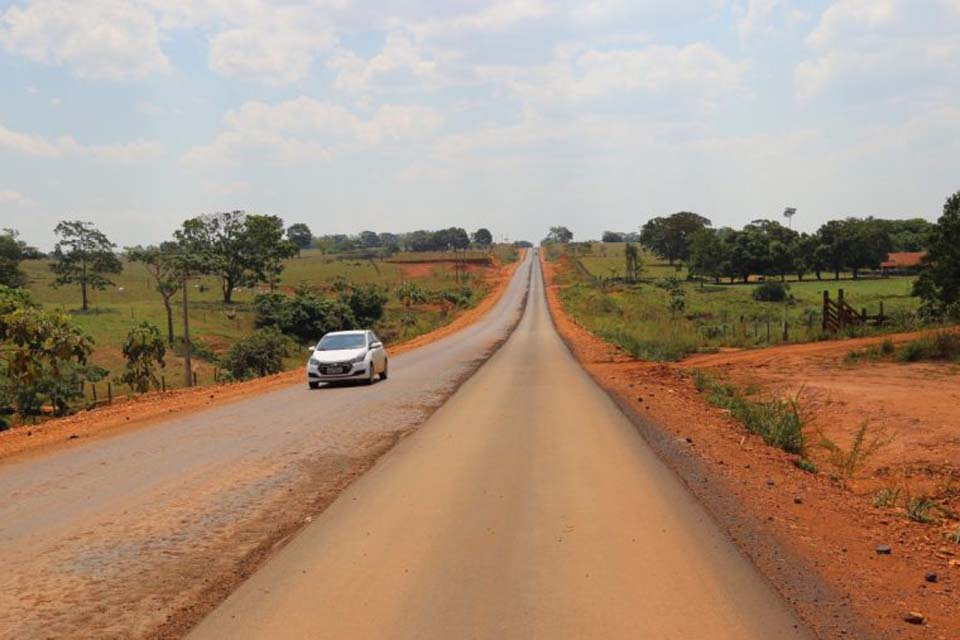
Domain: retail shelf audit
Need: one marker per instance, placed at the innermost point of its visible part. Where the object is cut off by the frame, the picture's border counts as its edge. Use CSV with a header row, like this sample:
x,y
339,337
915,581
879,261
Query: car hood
x,y
339,355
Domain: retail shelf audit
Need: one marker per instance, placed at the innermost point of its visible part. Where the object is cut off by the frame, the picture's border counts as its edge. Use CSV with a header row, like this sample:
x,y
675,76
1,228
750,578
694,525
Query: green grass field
x,y
215,326
638,316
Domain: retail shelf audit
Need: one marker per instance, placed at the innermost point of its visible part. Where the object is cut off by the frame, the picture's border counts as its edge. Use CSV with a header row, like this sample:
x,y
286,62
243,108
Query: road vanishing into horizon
x,y
521,504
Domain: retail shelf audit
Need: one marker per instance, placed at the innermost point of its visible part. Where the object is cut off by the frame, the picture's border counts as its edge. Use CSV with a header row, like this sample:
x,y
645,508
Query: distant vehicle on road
x,y
347,355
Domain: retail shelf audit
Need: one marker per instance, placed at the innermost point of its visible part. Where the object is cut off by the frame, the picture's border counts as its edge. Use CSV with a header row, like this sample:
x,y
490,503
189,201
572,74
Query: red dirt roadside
x,y
141,411
816,542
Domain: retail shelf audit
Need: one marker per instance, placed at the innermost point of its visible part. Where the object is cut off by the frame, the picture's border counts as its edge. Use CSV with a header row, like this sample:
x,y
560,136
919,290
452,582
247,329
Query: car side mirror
x,y
376,345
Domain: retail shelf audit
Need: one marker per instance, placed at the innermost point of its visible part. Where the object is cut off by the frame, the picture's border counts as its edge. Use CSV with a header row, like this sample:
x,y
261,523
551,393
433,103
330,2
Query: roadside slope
x,y
139,534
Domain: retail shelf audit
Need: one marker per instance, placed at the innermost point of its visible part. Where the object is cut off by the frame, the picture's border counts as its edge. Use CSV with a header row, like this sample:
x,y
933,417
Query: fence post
x,y
195,378
881,319
163,384
826,308
841,311
94,387
109,393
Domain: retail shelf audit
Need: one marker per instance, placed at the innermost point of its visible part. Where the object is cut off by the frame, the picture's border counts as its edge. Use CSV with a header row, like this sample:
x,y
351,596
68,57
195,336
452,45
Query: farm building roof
x,y
903,259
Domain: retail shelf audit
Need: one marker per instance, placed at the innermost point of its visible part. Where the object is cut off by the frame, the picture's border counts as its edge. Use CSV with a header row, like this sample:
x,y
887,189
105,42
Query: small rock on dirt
x,y
914,618
884,550
931,577
797,500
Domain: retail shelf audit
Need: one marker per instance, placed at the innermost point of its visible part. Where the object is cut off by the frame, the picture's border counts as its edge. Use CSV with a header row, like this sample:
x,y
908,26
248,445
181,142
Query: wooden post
x,y
194,378
881,318
109,393
826,308
841,312
94,386
163,384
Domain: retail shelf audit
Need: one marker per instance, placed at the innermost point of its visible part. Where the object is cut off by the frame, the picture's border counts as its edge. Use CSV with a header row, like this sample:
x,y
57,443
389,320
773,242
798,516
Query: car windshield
x,y
337,342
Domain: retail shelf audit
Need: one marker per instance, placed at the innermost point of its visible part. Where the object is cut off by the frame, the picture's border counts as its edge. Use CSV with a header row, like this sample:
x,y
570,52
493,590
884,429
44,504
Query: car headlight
x,y
359,358
314,361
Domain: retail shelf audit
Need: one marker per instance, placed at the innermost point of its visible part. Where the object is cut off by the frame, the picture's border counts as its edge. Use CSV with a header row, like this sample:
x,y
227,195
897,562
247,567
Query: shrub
x,y
367,303
887,497
259,354
305,316
410,293
771,291
144,350
945,345
779,422
926,510
848,462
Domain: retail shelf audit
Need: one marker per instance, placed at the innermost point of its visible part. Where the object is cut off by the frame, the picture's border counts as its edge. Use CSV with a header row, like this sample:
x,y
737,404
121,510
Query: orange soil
x,y
820,530
426,269
140,411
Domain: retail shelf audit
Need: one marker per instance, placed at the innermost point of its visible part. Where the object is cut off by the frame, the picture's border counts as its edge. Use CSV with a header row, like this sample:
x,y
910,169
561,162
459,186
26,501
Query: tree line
x,y
768,248
387,243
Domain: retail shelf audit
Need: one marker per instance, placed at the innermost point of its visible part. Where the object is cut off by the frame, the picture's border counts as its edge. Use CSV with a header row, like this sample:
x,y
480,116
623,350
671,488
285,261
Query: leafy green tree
x,y
834,246
939,283
912,234
305,316
369,239
805,256
300,236
367,303
708,254
163,265
144,350
670,236
43,357
240,249
869,244
83,256
257,355
482,237
559,235
11,255
611,237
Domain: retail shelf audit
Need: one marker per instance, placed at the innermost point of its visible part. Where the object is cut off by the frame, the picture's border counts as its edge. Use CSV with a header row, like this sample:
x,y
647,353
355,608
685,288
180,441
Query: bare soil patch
x,y
816,541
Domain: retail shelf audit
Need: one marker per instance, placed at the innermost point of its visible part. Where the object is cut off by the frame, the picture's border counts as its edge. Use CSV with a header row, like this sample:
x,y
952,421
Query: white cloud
x,y
400,63
277,47
94,38
128,152
757,18
846,16
696,68
499,15
304,128
36,145
9,196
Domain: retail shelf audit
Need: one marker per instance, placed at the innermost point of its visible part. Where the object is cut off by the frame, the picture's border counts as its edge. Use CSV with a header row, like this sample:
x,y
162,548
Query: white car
x,y
347,355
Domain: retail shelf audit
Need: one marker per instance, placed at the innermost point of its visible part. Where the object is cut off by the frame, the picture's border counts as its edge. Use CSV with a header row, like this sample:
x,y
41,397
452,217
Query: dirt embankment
x,y
147,409
817,542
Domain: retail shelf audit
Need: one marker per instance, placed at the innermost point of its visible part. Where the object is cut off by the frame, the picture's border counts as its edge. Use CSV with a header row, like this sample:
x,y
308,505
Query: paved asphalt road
x,y
139,534
526,507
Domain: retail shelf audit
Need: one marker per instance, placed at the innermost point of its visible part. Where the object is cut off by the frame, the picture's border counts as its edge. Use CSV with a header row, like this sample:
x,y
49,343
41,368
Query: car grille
x,y
336,368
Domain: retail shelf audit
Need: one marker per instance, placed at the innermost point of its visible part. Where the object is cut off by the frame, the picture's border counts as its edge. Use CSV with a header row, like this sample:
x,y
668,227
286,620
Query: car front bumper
x,y
337,371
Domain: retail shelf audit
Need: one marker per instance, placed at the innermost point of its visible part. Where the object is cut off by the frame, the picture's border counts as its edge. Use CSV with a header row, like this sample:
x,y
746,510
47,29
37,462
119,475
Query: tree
x,y
633,263
869,244
43,356
939,283
708,254
144,350
300,236
257,355
306,315
369,239
366,302
162,264
611,237
11,254
238,248
913,234
482,237
806,258
834,246
82,256
670,236
559,235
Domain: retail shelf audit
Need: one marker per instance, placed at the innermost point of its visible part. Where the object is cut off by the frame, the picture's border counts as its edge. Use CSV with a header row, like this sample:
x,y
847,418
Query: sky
x,y
510,114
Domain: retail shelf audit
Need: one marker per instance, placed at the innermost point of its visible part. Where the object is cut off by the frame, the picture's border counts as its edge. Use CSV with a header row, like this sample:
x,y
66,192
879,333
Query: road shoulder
x,y
802,532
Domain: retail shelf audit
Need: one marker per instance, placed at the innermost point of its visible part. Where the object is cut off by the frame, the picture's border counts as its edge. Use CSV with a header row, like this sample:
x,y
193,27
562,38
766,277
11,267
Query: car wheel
x,y
383,375
373,374
313,385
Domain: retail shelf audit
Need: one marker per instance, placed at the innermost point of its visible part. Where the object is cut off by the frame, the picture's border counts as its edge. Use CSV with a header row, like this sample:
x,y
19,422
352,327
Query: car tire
x,y
383,374
313,385
373,374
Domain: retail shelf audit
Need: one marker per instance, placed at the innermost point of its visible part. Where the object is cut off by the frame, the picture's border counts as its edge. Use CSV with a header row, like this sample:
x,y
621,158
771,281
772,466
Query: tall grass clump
x,y
779,422
944,346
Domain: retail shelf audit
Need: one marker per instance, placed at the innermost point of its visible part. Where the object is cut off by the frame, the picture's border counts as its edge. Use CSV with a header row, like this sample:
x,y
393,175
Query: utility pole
x,y
187,372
